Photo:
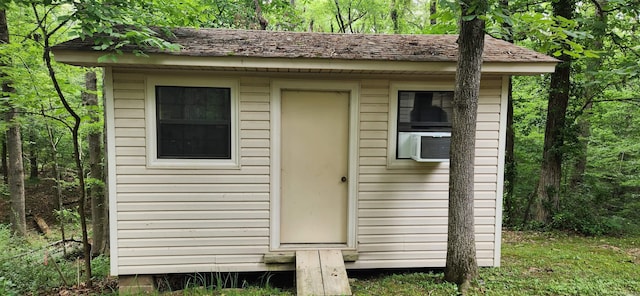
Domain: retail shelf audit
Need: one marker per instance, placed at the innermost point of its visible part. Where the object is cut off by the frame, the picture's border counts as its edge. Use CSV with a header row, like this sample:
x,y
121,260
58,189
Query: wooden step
x,y
321,272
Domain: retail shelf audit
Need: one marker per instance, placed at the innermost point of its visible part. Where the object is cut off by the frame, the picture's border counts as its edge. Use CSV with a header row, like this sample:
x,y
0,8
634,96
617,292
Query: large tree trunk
x,y
584,122
14,147
546,198
461,265
96,189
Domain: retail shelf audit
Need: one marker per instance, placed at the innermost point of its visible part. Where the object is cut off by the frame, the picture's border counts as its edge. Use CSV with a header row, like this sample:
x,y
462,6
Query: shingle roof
x,y
374,47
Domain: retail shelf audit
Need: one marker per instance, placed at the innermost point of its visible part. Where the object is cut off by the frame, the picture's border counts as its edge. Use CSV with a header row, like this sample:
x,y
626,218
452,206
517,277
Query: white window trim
x,y
197,81
394,87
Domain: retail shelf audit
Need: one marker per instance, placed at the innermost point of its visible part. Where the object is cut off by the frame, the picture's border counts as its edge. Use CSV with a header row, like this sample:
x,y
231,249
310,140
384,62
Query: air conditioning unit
x,y
430,147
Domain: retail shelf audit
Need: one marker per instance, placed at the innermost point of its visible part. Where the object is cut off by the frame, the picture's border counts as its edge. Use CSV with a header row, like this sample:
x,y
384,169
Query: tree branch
x,y
616,39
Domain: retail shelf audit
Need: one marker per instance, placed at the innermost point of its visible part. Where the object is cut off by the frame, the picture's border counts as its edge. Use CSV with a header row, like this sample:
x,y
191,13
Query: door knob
x,y
343,179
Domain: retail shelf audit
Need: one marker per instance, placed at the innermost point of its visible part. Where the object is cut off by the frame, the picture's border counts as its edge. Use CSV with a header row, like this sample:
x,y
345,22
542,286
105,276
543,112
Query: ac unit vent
x,y
430,147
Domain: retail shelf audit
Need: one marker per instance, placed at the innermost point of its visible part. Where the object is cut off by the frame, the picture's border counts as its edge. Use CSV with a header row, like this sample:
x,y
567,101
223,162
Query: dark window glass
x,y
424,111
193,122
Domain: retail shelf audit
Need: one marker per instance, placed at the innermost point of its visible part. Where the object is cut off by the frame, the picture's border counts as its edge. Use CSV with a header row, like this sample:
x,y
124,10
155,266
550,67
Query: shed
x,y
245,144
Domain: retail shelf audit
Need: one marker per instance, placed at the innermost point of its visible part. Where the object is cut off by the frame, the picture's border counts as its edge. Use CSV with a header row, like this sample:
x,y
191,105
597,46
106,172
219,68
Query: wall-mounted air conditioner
x,y
430,146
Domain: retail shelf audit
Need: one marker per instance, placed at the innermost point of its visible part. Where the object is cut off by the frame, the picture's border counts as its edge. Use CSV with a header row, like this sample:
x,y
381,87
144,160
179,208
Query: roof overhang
x,y
235,63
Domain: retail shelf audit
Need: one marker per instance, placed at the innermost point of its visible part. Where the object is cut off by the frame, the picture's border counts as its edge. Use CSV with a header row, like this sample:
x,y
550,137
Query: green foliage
x,y
607,201
68,216
100,266
27,266
584,214
7,287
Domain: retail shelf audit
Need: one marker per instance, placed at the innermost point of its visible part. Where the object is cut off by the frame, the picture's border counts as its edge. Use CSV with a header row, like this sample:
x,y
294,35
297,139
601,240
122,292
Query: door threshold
x,y
313,246
283,257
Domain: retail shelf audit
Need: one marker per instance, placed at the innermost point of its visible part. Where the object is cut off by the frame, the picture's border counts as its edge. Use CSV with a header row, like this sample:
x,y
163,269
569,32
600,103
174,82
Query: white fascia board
x,y
83,58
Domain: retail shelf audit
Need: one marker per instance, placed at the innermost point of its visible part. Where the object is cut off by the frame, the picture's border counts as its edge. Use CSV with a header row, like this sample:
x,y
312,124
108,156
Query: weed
x,y
27,266
265,279
100,266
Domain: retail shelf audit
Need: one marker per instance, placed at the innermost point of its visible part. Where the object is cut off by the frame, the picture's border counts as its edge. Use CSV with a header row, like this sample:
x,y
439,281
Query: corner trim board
x,y
111,167
502,142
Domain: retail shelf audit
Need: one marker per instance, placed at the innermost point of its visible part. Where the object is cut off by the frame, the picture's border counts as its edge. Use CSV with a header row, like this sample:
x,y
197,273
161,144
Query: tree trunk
x,y
76,153
96,189
5,166
341,23
393,14
461,265
14,147
547,194
33,156
263,22
510,172
56,172
584,122
433,8
510,169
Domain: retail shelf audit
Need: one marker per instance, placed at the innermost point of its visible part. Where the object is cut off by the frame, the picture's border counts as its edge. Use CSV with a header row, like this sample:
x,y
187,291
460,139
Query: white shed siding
x,y
185,220
402,213
188,220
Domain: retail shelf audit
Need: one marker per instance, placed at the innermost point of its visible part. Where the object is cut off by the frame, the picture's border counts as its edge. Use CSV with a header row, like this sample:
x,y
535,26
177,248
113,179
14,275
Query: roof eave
x,y
93,59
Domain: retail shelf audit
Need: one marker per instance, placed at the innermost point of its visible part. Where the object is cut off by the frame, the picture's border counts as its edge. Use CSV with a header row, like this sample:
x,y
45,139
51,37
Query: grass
x,y
536,264
561,264
533,263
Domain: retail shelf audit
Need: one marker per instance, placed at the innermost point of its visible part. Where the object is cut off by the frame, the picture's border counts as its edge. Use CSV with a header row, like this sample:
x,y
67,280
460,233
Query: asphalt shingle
x,y
374,47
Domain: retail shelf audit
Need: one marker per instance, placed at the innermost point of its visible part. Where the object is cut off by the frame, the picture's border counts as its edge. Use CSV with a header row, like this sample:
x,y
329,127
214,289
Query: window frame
x,y
392,137
152,129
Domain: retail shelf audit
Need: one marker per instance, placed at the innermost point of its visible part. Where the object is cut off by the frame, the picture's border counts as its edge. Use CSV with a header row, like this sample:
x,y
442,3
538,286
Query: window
x,y
424,111
418,107
193,122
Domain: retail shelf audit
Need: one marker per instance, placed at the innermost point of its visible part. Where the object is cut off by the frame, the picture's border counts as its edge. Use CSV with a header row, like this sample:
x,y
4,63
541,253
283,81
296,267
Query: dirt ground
x,y
41,200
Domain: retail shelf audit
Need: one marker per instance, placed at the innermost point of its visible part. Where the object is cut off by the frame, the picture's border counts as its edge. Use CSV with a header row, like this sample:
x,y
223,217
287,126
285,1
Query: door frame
x,y
277,86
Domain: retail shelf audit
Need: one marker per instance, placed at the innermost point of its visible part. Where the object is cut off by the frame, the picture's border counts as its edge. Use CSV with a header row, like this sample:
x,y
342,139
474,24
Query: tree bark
x,y
547,194
96,189
461,264
14,147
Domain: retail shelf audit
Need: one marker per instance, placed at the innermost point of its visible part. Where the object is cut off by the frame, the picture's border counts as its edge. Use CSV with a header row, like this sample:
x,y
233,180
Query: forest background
x,y
572,161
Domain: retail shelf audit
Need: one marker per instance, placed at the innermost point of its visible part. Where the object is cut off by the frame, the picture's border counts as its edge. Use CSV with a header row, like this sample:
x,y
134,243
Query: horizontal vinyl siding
x,y
200,220
188,220
402,213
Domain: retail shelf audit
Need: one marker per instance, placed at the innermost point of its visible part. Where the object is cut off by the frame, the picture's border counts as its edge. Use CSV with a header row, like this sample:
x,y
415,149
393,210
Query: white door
x,y
314,167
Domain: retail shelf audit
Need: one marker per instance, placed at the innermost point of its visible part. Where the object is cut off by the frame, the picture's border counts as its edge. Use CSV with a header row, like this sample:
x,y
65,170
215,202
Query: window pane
x,y
194,141
193,122
424,110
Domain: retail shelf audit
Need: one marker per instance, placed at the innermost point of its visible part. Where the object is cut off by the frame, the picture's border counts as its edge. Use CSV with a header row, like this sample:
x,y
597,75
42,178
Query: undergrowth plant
x,y
28,265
